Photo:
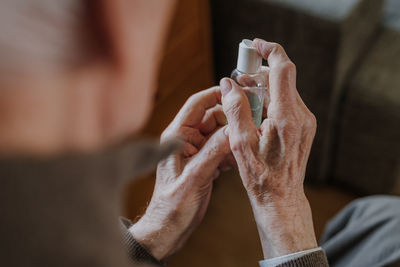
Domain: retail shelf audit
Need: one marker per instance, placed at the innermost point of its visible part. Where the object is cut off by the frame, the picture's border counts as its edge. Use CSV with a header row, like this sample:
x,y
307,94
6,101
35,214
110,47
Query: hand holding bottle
x,y
272,160
250,76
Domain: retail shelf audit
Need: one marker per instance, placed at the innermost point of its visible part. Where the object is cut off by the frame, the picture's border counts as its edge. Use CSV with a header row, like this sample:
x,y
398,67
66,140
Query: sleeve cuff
x,y
294,258
137,252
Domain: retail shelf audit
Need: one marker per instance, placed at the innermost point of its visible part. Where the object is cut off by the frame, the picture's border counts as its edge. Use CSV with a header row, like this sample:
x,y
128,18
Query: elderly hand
x,y
184,180
272,160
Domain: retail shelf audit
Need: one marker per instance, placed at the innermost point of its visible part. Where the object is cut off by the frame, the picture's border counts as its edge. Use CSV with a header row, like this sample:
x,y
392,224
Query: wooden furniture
x,y
185,69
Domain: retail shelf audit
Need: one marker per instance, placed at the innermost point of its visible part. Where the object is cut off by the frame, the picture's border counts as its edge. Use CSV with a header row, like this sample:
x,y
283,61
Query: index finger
x,y
282,73
194,109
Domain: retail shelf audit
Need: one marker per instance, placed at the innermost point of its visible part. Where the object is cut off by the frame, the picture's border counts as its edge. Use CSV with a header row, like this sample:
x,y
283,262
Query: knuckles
x,y
276,47
287,67
271,47
237,145
170,133
297,124
197,97
239,141
310,122
233,105
193,99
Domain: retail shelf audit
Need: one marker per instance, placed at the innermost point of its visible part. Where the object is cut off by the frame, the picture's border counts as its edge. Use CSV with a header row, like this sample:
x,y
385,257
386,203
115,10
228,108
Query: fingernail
x,y
225,85
226,131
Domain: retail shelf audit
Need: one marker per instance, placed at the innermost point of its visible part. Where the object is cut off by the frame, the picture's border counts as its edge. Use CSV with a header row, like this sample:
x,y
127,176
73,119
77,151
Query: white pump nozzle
x,y
249,61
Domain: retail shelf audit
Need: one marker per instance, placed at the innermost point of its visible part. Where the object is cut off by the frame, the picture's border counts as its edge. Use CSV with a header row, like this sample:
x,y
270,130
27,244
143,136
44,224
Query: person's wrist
x,y
147,235
285,225
155,235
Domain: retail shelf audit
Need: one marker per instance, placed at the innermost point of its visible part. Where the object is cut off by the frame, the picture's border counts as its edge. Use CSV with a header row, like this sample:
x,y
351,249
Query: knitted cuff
x,y
136,251
314,259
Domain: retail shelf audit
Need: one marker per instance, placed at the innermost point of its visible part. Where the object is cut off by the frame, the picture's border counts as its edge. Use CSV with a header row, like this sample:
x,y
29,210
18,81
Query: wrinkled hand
x,y
272,160
184,180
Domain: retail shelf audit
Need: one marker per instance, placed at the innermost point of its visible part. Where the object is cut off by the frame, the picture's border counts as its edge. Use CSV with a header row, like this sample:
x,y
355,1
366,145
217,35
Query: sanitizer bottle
x,y
249,76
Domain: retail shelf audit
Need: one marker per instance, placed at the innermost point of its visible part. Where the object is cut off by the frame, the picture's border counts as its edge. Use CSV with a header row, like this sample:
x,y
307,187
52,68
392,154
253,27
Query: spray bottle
x,y
249,76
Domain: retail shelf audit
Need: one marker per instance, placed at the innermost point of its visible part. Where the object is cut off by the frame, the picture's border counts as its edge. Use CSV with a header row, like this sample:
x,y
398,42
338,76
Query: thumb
x,y
235,104
207,160
236,107
242,130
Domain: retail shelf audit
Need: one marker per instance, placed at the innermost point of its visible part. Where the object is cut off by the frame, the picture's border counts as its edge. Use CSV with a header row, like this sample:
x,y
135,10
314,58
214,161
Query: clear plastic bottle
x,y
249,76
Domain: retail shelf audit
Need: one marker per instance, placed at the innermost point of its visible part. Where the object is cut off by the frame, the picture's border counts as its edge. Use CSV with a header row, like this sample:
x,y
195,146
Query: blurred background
x,y
347,54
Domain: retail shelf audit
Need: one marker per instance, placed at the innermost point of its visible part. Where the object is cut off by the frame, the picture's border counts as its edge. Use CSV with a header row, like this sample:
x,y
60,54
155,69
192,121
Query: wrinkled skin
x,y
271,162
184,180
85,92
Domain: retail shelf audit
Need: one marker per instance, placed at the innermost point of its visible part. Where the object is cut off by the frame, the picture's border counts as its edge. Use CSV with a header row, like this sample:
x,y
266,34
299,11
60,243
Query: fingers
x,y
246,80
191,115
190,135
189,150
266,104
196,106
243,135
206,161
236,107
282,75
273,52
265,71
213,119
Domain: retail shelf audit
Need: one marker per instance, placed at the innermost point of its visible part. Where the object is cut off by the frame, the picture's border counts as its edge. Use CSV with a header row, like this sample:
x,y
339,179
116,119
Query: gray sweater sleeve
x,y
137,252
314,259
140,255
